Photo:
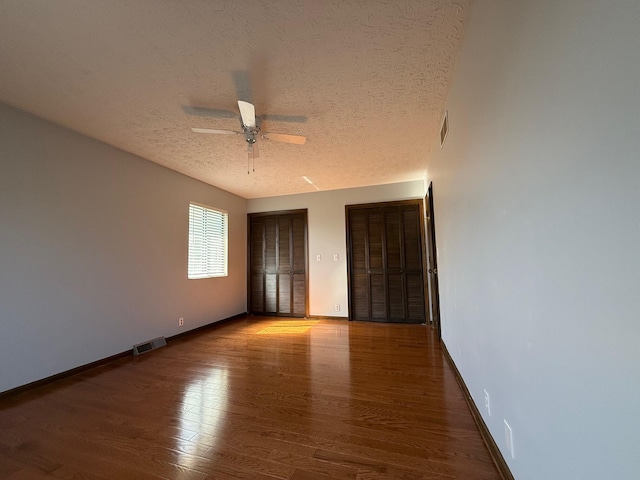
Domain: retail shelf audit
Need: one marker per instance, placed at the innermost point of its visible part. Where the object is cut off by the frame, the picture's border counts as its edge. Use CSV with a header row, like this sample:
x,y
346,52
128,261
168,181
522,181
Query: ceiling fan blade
x,y
281,137
248,113
242,82
209,112
284,118
213,130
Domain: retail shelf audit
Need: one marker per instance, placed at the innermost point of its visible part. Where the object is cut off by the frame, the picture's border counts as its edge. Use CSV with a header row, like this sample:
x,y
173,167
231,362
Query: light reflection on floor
x,y
205,401
288,327
203,408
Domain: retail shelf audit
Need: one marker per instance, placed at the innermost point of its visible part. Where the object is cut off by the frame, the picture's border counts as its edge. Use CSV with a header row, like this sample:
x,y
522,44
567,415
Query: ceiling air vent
x,y
145,347
444,129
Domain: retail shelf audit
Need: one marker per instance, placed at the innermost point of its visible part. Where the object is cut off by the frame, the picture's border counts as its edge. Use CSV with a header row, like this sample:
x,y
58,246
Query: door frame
x,y
432,261
303,211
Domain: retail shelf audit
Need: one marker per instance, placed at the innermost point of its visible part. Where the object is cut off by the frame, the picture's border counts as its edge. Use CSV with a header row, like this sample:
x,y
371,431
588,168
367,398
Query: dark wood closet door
x,y
256,264
385,262
278,264
299,265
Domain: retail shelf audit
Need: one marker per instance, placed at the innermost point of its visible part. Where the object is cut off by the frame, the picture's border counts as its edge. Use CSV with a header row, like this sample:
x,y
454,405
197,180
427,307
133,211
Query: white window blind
x,y
208,232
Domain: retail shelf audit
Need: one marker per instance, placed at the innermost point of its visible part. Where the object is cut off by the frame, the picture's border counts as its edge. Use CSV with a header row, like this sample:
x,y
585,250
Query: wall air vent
x,y
145,347
444,129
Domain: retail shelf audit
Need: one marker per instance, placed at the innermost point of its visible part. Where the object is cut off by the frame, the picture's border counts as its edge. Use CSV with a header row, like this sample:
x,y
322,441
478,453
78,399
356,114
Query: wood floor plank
x,y
427,460
261,398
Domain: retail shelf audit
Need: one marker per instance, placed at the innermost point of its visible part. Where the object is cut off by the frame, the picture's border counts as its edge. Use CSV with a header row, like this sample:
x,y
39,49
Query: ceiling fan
x,y
251,130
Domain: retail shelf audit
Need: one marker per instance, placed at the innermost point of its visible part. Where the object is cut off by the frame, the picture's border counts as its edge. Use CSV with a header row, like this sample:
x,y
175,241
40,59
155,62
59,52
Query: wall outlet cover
x,y
487,402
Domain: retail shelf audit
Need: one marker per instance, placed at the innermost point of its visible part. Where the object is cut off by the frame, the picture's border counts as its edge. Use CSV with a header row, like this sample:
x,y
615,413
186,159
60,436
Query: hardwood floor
x,y
255,398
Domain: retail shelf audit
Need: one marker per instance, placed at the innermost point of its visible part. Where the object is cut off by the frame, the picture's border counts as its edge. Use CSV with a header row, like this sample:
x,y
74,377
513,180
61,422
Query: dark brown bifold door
x,y
278,263
385,248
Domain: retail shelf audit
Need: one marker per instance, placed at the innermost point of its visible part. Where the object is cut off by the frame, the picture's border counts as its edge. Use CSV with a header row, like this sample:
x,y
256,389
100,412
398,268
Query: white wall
x,y
327,235
93,251
538,229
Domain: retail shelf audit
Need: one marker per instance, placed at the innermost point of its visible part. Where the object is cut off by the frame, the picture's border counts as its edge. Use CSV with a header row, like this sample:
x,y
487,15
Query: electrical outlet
x,y
318,257
181,322
487,404
335,257
508,438
336,307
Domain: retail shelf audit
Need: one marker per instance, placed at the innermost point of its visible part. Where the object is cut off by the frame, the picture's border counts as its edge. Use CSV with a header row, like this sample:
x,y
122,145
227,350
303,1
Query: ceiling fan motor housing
x,y
251,133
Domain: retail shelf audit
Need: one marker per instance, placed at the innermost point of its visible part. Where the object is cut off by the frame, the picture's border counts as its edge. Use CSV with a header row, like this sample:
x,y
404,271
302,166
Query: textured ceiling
x,y
365,81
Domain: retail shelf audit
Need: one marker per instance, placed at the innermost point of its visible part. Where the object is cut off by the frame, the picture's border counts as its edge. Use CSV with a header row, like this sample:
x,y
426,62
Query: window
x,y
208,238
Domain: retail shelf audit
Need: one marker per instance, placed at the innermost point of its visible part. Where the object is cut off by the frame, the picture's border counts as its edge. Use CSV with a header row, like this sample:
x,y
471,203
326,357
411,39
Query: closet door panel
x,y
393,245
412,228
299,295
270,293
360,296
299,244
270,245
378,301
415,297
396,296
284,294
358,236
374,233
256,265
412,238
257,245
284,244
278,263
385,262
257,293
